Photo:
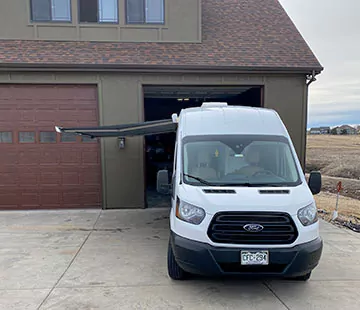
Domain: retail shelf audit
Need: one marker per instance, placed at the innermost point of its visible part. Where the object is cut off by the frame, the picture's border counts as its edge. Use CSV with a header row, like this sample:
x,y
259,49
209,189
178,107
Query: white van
x,y
241,204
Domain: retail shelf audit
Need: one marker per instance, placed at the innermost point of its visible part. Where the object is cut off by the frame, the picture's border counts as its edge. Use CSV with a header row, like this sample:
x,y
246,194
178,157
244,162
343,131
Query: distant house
x,y
345,130
320,131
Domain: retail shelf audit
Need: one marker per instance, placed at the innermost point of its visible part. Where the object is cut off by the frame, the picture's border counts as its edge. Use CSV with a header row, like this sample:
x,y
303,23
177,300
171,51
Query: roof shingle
x,y
235,33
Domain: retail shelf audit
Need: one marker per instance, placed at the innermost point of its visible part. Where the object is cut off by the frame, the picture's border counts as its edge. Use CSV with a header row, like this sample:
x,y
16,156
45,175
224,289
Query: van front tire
x,y
174,270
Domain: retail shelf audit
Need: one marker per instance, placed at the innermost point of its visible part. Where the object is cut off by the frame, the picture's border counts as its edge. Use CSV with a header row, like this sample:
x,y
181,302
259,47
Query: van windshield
x,y
238,160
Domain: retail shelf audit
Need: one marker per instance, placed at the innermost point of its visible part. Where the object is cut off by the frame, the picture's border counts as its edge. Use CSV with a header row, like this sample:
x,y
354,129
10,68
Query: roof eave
x,y
156,68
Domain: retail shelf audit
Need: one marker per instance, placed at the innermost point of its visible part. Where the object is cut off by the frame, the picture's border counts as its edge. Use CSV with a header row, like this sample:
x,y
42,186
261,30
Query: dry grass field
x,y
338,159
337,156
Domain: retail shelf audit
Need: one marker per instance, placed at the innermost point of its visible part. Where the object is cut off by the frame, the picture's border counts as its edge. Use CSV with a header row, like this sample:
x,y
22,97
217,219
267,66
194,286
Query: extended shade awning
x,y
127,130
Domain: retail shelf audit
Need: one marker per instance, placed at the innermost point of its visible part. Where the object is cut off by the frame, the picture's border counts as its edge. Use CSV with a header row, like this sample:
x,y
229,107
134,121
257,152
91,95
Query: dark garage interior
x,y
160,102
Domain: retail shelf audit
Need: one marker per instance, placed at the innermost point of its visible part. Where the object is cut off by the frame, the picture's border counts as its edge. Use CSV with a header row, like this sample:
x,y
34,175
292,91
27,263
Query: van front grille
x,y
228,227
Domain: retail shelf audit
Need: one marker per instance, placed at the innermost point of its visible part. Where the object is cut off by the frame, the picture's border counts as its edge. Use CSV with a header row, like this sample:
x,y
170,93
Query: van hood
x,y
278,199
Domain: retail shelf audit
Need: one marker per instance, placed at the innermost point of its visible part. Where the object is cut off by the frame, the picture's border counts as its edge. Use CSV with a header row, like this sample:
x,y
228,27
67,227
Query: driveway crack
x,y
71,262
276,295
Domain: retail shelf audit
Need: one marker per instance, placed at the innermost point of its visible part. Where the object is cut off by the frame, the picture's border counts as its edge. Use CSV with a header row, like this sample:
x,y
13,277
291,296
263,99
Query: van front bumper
x,y
203,259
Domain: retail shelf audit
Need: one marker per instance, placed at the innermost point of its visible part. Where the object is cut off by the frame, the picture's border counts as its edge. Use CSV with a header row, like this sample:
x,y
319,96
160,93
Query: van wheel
x,y
305,277
174,270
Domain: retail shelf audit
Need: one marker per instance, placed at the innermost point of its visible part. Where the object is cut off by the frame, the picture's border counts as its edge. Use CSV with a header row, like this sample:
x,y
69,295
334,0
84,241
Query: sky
x,y
332,30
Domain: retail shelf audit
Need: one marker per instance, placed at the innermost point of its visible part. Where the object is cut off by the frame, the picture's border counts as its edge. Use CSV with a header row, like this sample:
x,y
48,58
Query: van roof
x,y
222,119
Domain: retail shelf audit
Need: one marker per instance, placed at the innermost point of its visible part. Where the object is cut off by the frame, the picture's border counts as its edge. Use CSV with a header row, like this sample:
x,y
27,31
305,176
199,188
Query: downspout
x,y
310,79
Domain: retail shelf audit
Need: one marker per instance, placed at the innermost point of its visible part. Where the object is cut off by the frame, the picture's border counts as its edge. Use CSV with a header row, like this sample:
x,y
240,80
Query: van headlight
x,y
308,215
189,213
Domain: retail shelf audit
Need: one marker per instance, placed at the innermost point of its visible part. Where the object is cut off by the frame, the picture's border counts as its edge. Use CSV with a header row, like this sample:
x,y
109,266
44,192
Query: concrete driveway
x,y
117,260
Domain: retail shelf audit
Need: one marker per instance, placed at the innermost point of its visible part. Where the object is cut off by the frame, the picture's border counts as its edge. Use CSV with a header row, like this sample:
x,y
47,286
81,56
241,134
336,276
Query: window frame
x,y
47,142
6,142
51,20
98,17
63,135
145,23
27,142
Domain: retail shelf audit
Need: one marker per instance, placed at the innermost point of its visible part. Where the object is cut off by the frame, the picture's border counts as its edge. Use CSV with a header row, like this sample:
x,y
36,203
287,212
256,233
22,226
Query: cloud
x,y
333,114
331,28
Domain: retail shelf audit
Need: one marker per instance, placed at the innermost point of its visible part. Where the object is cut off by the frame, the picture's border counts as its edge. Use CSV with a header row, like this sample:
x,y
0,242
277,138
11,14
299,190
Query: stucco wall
x,y
121,101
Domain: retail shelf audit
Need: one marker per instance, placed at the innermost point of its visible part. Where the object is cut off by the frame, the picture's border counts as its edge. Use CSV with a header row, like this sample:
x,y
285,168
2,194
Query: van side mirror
x,y
162,182
315,182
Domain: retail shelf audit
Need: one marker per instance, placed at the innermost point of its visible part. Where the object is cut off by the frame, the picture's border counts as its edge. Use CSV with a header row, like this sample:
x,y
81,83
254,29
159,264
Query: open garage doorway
x,y
160,102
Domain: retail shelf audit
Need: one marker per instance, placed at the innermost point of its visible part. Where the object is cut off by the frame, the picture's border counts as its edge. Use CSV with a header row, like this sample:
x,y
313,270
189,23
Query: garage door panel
x,y
50,199
8,167
30,199
6,115
8,199
87,116
49,178
6,93
45,115
89,197
90,177
48,172
30,157
79,104
70,178
71,157
28,115
8,179
50,157
9,158
28,179
90,157
67,116
79,93
72,198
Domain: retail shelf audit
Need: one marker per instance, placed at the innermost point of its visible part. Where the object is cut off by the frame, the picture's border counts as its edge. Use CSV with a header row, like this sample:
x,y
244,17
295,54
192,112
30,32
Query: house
x,y
345,130
325,130
96,62
315,131
320,131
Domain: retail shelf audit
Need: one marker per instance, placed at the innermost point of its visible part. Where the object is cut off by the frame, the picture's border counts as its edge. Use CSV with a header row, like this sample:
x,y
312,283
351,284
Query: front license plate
x,y
254,258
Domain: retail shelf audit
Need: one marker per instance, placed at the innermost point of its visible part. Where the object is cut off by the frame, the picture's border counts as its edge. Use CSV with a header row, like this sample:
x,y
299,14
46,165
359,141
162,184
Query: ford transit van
x,y
240,202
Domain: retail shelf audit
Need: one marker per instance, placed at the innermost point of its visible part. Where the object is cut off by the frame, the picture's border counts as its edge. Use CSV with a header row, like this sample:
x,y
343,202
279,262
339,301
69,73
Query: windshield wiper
x,y
245,184
199,179
236,184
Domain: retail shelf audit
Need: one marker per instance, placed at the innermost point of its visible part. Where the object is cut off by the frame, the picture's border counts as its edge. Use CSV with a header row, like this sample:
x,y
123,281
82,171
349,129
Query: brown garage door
x,y
38,167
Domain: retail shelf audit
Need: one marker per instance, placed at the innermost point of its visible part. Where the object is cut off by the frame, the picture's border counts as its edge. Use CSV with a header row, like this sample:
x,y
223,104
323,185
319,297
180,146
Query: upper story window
x,y
50,10
145,11
98,11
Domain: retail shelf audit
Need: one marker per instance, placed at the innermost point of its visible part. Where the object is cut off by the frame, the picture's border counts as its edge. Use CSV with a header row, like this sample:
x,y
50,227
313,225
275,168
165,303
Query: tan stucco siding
x,y
121,101
287,96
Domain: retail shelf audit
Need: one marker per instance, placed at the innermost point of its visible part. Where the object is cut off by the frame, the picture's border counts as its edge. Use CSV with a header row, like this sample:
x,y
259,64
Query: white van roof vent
x,y
214,104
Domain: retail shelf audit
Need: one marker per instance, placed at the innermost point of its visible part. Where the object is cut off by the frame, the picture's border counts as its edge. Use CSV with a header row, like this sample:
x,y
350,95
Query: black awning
x,y
127,130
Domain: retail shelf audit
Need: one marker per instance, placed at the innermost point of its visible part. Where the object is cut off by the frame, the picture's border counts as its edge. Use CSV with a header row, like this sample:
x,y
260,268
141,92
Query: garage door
x,y
39,168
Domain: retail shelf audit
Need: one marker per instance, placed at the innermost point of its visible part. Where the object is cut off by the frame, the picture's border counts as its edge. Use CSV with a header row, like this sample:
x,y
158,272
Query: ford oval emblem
x,y
253,227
